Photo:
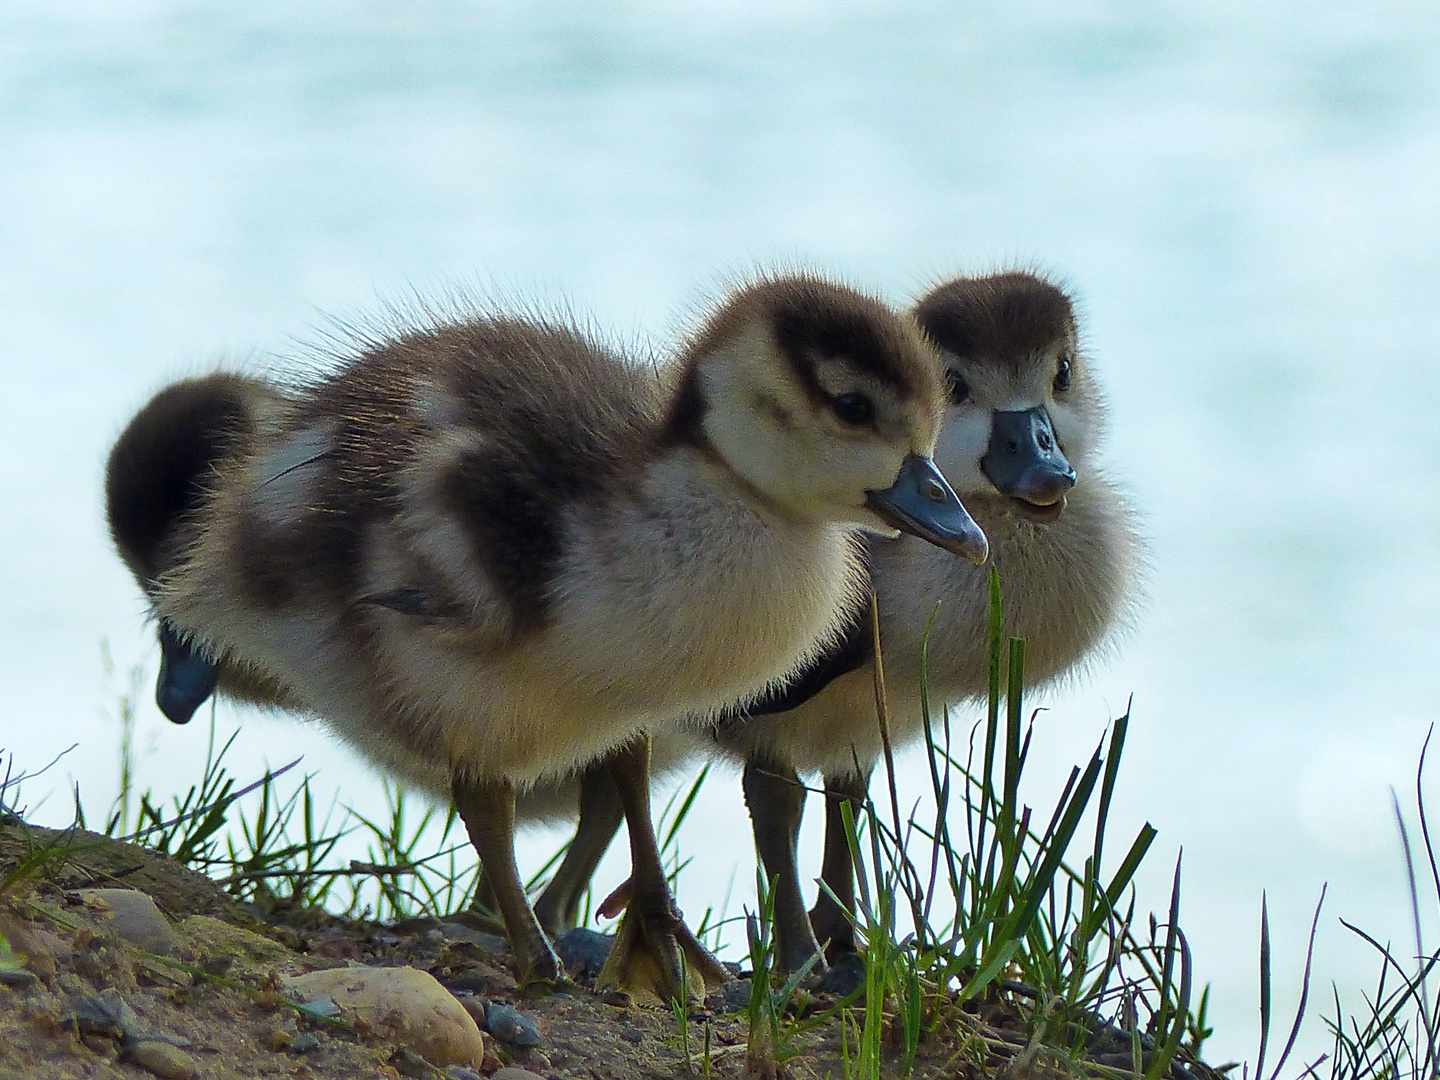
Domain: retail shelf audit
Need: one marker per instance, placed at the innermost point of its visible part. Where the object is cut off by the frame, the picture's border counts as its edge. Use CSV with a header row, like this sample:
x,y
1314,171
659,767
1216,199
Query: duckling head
x,y
827,404
1024,412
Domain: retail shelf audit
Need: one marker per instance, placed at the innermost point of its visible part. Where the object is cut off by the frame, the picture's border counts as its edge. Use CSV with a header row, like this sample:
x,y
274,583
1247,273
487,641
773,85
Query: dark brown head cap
x,y
1002,318
815,320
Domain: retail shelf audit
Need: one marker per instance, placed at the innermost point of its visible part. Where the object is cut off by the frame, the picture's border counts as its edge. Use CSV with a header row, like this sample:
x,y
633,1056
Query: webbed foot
x,y
656,959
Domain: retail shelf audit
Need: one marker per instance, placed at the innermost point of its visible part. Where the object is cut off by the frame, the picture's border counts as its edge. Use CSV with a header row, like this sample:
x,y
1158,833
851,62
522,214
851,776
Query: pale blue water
x,y
1244,200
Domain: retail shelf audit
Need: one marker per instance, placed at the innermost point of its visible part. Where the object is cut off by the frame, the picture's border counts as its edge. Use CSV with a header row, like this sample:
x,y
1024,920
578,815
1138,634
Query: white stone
x,y
403,1004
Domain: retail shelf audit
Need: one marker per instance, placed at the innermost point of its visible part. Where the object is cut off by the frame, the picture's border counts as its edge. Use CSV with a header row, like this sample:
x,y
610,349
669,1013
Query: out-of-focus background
x,y
1243,198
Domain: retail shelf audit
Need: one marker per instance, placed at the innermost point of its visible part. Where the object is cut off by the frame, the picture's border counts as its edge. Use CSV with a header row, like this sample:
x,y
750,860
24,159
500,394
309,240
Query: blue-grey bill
x,y
186,676
922,503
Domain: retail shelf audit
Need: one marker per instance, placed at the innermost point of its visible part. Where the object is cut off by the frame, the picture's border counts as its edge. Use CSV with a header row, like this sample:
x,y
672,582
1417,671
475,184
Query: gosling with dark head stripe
x,y
1024,420
489,553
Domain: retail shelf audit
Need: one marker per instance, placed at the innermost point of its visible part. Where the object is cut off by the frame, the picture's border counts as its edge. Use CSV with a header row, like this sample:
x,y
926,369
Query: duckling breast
x,y
694,594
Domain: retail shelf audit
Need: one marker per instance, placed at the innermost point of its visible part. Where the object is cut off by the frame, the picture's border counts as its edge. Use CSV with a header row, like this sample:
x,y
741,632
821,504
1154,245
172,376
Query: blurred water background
x,y
1243,198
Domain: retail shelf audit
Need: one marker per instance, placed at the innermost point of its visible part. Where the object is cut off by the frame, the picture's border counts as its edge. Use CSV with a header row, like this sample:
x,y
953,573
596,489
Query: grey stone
x,y
631,1034
730,997
490,943
165,1061
17,978
845,976
136,919
105,1014
583,952
510,1026
460,1072
512,1073
303,1044
323,1007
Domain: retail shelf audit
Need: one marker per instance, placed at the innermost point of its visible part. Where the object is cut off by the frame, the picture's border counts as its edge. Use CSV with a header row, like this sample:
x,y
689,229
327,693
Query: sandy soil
x,y
80,998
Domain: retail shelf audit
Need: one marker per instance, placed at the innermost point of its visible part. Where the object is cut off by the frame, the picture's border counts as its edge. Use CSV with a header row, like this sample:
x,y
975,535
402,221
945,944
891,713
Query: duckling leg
x,y
601,813
776,799
829,919
484,911
488,809
646,957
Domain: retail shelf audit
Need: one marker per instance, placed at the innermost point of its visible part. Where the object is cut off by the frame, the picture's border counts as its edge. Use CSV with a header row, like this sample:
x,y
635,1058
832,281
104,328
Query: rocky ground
x,y
119,963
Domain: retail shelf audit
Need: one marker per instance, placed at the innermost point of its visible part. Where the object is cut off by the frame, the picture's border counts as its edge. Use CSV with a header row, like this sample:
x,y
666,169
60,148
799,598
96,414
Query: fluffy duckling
x,y
1025,418
157,478
488,553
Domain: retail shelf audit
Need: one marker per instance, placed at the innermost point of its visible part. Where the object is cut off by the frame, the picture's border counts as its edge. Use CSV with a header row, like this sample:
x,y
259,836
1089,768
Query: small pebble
x,y
475,1006
303,1044
17,978
136,918
845,976
583,952
323,1007
731,997
631,1034
618,998
105,1014
490,943
510,1026
165,1061
512,1073
460,1072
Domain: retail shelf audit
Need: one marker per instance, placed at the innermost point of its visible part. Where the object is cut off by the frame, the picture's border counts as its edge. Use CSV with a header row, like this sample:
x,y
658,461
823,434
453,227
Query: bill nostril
x,y
1045,441
934,492
1013,445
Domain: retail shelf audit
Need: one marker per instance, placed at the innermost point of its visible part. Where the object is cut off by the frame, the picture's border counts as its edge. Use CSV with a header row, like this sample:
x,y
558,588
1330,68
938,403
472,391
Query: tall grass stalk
x,y
999,907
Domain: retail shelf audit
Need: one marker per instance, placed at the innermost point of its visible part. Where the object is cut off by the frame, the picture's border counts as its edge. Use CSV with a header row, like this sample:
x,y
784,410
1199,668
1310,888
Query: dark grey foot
x,y
833,930
186,678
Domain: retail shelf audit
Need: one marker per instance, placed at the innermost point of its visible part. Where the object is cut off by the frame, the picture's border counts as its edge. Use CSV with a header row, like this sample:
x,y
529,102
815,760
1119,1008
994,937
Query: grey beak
x,y
1024,460
186,678
920,502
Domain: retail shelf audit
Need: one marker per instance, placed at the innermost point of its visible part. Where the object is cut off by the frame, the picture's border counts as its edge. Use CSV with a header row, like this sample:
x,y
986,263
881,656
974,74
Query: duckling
x,y
1025,417
490,552
157,477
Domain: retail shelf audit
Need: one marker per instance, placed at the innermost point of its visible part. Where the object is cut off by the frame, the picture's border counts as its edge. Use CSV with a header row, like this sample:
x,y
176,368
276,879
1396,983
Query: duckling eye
x,y
959,388
1062,373
854,410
